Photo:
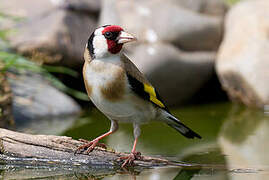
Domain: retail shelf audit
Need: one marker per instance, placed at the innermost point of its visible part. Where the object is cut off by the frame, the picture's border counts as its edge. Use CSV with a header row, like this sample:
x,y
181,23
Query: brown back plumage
x,y
131,69
140,85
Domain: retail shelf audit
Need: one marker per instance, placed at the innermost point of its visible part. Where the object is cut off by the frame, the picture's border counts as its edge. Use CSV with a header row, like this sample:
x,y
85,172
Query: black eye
x,y
108,35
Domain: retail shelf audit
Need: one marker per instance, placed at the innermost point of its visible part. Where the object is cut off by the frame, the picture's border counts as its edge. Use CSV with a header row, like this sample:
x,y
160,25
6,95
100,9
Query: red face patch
x,y
112,28
111,33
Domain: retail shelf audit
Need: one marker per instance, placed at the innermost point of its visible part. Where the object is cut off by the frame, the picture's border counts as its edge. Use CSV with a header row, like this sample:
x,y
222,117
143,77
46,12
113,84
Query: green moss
x,y
232,2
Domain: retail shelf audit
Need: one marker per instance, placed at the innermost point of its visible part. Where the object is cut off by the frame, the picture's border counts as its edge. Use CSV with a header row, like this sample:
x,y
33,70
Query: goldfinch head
x,y
107,40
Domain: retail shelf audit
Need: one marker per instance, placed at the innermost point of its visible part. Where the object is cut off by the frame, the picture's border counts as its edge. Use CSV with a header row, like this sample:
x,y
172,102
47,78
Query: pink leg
x,y
90,145
129,160
134,146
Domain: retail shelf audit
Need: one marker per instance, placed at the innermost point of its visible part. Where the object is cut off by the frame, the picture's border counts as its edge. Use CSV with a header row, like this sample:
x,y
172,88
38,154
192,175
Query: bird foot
x,y
129,160
102,145
88,146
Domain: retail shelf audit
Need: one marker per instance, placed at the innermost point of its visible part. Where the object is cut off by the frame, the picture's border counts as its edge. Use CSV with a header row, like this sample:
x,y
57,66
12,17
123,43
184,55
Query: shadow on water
x,y
234,146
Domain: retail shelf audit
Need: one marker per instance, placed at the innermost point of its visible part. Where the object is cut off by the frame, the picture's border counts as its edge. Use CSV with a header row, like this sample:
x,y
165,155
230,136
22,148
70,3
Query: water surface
x,y
234,145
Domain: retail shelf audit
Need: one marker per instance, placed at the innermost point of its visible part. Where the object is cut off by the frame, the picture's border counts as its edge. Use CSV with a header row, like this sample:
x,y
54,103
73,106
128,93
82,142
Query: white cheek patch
x,y
98,31
100,44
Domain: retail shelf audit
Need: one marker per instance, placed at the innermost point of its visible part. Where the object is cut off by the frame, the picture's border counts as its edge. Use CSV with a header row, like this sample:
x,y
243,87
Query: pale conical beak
x,y
125,37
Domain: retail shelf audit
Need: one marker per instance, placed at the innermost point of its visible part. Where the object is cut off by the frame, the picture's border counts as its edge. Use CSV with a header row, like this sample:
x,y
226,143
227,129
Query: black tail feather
x,y
184,130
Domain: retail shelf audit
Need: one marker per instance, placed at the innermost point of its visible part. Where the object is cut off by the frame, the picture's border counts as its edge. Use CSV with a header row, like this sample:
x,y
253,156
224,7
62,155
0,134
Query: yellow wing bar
x,y
152,94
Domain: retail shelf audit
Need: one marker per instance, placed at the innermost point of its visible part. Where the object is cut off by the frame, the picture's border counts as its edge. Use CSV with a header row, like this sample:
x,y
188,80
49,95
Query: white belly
x,y
124,110
129,108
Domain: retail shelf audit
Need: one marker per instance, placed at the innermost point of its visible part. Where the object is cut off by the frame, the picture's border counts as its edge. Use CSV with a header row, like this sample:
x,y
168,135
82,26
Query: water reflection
x,y
11,172
244,141
234,143
186,174
234,146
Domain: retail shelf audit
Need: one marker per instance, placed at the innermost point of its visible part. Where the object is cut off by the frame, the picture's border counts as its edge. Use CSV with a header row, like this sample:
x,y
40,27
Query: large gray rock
x,y
243,59
22,10
29,9
165,31
177,75
56,33
35,99
209,7
59,36
86,6
186,29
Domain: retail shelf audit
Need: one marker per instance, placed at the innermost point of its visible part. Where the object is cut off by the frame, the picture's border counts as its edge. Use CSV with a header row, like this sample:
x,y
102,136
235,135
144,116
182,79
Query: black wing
x,y
146,92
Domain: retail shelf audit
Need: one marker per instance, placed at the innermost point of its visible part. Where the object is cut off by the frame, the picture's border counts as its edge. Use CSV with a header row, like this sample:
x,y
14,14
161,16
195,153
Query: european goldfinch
x,y
119,90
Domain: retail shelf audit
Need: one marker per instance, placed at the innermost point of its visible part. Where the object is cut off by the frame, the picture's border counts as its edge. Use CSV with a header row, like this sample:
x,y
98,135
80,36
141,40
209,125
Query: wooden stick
x,y
19,148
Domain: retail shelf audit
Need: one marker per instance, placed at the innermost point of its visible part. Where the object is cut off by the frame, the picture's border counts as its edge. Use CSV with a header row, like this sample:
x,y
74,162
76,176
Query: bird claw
x,y
102,145
88,146
129,160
